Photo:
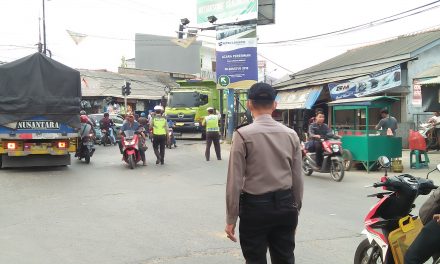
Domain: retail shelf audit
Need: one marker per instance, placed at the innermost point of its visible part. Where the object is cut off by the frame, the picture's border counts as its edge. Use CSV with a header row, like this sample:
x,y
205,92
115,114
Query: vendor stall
x,y
360,140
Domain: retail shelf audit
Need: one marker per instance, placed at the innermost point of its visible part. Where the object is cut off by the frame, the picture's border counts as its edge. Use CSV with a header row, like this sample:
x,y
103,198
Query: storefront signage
x,y
226,11
367,85
417,94
236,52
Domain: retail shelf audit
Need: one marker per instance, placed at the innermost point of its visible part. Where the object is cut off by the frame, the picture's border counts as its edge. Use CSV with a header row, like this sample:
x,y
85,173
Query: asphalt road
x,y
106,213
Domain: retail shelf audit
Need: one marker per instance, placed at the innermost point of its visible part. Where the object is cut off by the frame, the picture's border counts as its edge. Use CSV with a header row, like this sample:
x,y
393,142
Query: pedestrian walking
x,y
264,184
160,129
212,133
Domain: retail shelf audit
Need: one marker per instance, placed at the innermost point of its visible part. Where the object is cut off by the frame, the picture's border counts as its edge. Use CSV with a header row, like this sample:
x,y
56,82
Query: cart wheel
x,y
348,159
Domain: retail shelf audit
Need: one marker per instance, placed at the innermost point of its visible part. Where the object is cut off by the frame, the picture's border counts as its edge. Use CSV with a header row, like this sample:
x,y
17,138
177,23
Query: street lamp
x,y
44,30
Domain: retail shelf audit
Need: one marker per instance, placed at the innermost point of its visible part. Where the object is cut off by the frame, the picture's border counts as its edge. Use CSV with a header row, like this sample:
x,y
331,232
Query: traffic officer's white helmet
x,y
158,107
210,108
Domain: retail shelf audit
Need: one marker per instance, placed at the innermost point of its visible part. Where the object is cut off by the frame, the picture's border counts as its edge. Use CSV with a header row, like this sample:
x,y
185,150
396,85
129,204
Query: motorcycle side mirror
x,y
384,161
436,169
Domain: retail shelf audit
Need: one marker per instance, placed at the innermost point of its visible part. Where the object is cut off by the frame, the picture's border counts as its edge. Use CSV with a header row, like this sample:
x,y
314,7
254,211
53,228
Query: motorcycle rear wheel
x,y
337,170
364,251
87,156
307,170
131,161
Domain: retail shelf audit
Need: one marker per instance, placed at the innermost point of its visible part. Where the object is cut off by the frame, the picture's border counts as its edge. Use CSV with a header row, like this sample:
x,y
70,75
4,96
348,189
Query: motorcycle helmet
x,y
84,118
82,112
142,114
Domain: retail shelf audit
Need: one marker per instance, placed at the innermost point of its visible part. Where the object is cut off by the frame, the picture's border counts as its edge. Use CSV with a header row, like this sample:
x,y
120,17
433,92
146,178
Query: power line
x,y
374,23
284,68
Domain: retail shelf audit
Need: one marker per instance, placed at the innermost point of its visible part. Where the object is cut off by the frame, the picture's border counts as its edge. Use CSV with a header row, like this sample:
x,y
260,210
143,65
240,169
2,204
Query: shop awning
x,y
298,99
364,101
435,80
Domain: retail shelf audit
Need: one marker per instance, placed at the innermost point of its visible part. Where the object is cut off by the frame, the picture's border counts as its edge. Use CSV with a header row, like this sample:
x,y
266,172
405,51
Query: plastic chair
x,y
416,161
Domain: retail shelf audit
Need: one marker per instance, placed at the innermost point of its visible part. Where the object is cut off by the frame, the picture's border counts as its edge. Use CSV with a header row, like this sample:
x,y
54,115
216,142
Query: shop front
x,y
296,107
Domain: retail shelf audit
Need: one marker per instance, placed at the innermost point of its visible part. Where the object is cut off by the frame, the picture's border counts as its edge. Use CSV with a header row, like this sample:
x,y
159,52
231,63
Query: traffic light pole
x,y
231,114
125,104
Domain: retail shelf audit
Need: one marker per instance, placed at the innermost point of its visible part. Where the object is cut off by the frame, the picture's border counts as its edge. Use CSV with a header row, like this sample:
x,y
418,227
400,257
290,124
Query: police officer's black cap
x,y
262,92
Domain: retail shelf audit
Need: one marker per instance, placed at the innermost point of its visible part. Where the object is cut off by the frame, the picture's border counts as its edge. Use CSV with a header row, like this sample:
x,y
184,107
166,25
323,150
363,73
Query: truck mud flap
x,y
34,161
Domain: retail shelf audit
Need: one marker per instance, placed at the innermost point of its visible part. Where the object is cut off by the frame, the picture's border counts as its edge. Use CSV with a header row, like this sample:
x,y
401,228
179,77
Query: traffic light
x,y
180,33
127,88
123,90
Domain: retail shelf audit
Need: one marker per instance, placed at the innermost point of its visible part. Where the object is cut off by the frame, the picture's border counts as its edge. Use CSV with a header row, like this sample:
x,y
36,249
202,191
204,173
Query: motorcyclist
x,y
170,127
132,124
435,122
89,121
84,131
143,120
108,124
318,130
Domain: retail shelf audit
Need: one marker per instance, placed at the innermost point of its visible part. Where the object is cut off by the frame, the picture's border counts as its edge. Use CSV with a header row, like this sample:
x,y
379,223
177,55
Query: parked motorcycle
x,y
86,148
332,162
390,215
130,148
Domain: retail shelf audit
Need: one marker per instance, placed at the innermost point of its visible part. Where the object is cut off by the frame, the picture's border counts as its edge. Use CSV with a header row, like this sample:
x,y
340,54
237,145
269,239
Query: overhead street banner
x,y
236,52
367,85
226,11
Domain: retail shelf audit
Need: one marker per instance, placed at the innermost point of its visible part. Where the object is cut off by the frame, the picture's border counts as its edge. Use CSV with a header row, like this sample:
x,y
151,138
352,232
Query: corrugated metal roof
x,y
335,76
106,84
360,61
434,71
399,46
362,99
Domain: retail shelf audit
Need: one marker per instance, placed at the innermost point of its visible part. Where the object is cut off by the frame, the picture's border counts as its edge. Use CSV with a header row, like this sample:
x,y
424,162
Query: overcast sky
x,y
112,24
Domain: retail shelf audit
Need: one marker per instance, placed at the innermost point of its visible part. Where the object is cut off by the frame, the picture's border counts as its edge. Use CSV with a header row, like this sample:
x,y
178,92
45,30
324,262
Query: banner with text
x,y
367,85
226,11
236,53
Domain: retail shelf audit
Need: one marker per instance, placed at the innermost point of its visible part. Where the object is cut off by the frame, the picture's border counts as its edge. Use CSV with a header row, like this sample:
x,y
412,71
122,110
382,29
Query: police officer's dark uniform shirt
x,y
268,160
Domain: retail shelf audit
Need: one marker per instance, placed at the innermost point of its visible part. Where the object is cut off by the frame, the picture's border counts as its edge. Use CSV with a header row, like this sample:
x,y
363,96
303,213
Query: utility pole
x,y
44,30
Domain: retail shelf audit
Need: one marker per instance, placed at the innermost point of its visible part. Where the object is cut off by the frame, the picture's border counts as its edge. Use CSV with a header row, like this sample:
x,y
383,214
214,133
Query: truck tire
x,y
1,157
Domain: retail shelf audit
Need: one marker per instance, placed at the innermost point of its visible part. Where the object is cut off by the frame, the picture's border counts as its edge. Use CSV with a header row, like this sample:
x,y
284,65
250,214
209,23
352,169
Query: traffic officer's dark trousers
x,y
268,221
426,244
213,137
159,141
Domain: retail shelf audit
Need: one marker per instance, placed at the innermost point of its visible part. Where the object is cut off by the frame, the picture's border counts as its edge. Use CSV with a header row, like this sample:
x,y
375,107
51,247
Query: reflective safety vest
x,y
212,123
159,126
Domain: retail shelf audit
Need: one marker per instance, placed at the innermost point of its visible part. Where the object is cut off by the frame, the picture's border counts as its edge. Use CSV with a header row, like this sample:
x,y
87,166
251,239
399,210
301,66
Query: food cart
x,y
361,142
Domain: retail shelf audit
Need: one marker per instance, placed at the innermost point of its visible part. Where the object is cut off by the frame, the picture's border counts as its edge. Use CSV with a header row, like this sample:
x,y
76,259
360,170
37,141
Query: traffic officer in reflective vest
x,y
265,183
160,128
212,133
